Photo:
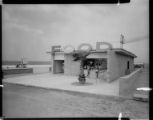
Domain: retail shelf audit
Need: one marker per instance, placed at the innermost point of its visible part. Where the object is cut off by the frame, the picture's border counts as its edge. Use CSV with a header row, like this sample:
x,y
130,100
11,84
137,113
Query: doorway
x,y
59,66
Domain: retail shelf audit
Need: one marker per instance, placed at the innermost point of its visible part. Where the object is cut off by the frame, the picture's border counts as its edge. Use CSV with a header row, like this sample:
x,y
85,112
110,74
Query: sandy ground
x,y
143,79
20,101
68,83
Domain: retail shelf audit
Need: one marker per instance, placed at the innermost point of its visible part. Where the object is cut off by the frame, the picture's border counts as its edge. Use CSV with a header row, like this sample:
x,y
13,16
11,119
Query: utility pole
x,y
122,41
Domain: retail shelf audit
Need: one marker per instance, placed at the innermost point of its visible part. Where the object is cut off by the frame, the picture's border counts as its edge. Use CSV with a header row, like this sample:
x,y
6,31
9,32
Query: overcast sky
x,y
30,30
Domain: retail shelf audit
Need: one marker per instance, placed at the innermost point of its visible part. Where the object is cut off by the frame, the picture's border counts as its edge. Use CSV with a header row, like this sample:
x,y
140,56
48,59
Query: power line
x,y
137,39
122,40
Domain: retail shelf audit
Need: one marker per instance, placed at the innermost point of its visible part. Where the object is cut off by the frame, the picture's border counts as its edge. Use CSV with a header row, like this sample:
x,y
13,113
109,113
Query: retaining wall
x,y
128,82
29,69
17,71
39,69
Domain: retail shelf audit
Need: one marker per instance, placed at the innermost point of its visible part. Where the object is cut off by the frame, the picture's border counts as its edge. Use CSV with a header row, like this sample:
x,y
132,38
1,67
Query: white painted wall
x,y
59,56
71,67
117,64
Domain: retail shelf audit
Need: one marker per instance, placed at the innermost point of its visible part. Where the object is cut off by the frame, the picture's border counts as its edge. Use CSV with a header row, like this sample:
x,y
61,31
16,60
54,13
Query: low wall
x,y
40,68
35,69
128,82
17,71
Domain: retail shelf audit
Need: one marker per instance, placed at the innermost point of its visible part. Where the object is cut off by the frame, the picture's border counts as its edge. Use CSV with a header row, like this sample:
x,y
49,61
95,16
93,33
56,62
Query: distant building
x,y
111,63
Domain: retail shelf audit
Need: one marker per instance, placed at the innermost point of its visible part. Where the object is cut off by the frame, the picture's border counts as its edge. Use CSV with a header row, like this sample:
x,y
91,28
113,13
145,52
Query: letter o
x,y
85,44
65,48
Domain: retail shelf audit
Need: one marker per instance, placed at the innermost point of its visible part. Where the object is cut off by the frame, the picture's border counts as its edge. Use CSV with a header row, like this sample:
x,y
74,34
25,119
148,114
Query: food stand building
x,y
111,63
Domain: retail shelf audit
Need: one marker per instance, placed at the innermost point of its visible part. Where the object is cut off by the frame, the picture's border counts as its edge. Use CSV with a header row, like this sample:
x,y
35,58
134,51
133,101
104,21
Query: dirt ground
x,y
20,101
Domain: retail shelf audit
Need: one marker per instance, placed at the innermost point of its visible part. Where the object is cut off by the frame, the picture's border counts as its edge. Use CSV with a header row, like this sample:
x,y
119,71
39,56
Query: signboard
x,y
89,47
103,46
70,48
56,48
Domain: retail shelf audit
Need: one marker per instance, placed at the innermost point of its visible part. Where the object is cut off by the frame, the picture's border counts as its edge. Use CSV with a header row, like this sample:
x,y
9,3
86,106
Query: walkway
x,y
66,83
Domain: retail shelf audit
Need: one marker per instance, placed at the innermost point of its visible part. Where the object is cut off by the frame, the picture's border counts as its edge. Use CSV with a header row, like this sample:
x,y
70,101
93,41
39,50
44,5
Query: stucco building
x,y
105,64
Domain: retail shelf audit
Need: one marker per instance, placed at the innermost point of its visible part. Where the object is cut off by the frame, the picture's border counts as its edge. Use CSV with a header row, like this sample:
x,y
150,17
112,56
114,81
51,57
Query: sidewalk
x,y
70,83
66,83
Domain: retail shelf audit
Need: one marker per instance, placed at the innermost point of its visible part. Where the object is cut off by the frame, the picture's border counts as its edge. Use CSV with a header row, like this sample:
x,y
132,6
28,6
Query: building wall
x,y
117,64
71,67
123,63
53,63
59,56
112,66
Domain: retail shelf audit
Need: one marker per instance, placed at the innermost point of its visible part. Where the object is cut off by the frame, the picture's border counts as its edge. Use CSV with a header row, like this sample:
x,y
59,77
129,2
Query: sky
x,y
30,30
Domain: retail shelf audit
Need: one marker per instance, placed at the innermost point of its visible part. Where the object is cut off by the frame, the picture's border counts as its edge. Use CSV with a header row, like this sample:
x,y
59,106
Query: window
x,y
128,64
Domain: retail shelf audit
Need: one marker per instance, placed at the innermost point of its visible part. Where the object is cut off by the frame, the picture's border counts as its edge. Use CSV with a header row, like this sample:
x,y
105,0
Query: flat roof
x,y
117,50
124,52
